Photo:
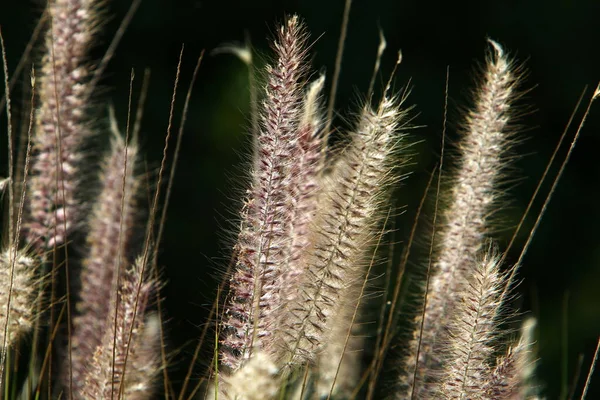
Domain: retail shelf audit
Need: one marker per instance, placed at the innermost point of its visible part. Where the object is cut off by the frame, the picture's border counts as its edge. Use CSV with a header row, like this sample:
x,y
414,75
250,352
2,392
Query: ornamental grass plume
x,y
473,199
473,332
263,240
47,211
18,298
126,361
456,338
61,123
296,320
109,286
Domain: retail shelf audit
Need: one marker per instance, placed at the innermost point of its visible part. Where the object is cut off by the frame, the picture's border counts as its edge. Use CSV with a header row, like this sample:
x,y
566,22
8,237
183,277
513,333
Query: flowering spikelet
x,y
472,201
305,188
110,226
258,379
339,363
60,123
125,362
350,212
18,296
472,332
264,235
511,378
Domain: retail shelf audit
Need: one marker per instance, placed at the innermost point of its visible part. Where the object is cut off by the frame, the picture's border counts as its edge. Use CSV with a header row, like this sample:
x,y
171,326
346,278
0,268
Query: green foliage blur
x,y
556,41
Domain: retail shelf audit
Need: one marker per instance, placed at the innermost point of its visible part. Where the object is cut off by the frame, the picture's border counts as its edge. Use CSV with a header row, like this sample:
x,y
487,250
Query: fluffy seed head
x,y
473,331
464,227
60,124
19,294
110,227
264,235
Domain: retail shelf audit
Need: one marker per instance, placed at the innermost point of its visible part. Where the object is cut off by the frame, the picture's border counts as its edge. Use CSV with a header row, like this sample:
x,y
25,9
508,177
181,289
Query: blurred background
x,y
557,42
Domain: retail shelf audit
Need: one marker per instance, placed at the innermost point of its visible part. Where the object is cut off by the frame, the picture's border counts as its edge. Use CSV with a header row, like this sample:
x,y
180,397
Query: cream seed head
x,y
465,222
19,295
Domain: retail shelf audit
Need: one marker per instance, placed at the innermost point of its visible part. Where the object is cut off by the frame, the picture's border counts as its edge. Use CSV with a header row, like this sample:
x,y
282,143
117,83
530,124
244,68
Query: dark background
x,y
557,41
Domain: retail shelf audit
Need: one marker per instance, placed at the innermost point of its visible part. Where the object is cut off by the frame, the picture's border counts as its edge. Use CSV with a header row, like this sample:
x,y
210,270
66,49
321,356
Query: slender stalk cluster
x,y
112,352
310,227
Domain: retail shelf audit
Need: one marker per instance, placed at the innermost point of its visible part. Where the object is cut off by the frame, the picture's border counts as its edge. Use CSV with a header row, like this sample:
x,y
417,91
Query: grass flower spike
x,y
105,266
473,332
61,124
125,363
264,236
18,298
474,196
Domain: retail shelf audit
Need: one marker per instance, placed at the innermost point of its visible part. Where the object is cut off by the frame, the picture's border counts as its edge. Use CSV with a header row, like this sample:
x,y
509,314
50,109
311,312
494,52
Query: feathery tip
x,y
596,92
310,115
4,184
244,53
498,50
